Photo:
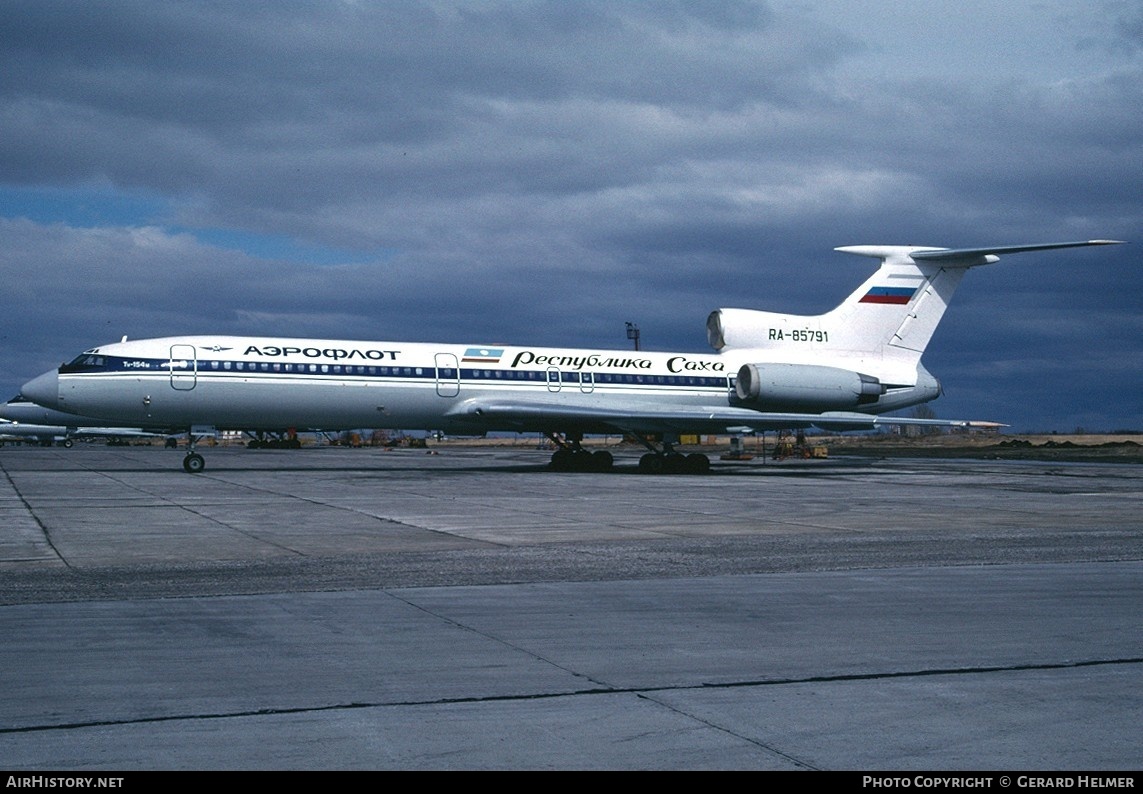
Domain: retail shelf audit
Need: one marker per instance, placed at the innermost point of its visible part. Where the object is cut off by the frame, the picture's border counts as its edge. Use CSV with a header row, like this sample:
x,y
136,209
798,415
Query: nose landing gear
x,y
194,463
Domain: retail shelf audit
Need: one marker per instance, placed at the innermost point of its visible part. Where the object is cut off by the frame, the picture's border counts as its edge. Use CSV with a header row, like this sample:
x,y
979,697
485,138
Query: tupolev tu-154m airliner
x,y
842,370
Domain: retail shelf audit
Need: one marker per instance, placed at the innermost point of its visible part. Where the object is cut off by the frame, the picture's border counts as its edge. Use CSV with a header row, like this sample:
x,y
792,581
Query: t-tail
x,y
879,332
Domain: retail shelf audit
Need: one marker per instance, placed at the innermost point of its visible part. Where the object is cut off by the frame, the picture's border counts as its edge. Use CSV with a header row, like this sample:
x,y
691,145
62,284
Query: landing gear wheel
x,y
674,463
697,463
562,460
194,463
651,463
601,460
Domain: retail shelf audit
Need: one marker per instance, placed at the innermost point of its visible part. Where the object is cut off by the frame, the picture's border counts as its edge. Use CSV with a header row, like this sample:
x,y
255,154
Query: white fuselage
x,y
256,383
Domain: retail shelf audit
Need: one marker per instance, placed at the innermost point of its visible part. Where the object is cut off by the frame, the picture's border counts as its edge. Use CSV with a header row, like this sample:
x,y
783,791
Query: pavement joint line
x,y
590,691
36,518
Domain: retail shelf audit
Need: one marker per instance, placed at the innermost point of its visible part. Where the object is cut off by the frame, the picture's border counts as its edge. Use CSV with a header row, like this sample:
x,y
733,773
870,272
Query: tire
x,y
194,463
601,461
651,463
697,463
675,463
561,460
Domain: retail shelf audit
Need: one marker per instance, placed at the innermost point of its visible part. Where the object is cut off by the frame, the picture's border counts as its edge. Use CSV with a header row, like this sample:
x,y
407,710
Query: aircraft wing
x,y
639,417
26,429
112,432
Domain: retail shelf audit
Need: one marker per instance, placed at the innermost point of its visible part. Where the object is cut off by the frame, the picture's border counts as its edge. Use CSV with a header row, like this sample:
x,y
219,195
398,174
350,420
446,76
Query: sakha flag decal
x,y
483,355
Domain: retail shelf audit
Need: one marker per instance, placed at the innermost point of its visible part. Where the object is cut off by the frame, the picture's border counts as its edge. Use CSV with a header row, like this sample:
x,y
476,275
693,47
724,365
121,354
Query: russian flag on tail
x,y
896,295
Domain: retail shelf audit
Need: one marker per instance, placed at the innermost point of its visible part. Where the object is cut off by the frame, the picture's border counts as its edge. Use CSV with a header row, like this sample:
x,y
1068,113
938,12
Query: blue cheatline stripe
x,y
251,369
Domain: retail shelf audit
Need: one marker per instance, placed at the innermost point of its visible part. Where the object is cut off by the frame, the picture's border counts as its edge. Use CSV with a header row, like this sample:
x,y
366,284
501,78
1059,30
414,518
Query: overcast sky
x,y
542,172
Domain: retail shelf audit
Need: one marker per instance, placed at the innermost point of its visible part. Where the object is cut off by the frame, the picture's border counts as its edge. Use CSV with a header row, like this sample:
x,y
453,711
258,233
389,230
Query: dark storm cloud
x,y
275,80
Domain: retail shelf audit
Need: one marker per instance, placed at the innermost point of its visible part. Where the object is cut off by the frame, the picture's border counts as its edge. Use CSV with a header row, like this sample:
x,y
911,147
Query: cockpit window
x,y
84,362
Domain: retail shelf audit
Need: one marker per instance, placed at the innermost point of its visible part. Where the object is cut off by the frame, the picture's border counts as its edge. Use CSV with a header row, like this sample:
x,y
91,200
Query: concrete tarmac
x,y
336,608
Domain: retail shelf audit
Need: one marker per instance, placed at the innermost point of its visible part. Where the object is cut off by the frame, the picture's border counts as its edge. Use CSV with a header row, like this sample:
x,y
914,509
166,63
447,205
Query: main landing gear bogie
x,y
570,456
674,463
568,459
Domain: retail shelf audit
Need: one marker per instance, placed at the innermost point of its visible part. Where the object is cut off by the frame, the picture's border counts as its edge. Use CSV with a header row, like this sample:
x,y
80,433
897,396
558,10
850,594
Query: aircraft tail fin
x,y
891,317
897,309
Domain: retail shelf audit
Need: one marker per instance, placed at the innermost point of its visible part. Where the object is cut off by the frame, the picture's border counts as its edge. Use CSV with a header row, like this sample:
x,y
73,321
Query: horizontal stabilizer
x,y
959,257
981,256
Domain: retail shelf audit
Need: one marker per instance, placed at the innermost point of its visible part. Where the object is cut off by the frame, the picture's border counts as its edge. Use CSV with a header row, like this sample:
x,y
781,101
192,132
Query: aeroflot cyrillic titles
x,y
841,370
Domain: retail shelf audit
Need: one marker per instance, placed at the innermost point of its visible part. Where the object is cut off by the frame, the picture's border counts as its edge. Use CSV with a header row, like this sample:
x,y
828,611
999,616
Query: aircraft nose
x,y
44,390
